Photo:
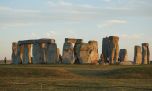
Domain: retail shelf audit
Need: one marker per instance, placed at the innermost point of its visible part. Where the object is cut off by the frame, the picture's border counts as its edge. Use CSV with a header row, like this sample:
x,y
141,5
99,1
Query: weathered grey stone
x,y
137,55
105,50
77,50
68,53
75,43
15,58
52,53
36,53
145,53
85,52
47,41
25,42
114,49
36,41
70,40
123,56
27,54
21,53
43,53
59,57
94,57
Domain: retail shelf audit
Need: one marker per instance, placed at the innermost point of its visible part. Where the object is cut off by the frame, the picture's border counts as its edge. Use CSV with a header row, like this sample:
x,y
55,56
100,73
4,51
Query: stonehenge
x,y
105,50
137,55
26,54
123,55
85,51
15,52
142,54
93,52
145,53
75,51
39,51
68,53
114,49
110,49
59,57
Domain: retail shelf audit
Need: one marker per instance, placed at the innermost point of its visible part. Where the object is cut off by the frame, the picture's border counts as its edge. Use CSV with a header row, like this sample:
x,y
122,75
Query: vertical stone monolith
x,y
137,55
114,49
105,50
15,57
94,56
43,53
77,50
52,53
85,51
68,53
123,56
27,54
59,57
145,53
71,45
21,53
36,52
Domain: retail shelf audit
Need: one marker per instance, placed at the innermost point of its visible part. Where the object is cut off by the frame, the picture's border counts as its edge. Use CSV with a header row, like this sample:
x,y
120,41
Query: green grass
x,y
75,78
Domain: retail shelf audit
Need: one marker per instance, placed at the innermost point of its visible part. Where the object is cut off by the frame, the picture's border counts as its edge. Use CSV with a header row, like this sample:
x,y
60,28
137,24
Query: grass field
x,y
75,78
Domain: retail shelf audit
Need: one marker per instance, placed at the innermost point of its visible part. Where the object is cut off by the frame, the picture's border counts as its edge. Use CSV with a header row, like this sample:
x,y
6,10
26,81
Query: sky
x,y
131,20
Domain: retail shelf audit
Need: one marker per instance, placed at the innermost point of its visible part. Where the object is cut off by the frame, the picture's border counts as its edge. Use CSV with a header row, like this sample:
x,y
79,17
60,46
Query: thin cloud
x,y
70,12
111,23
50,34
9,9
131,36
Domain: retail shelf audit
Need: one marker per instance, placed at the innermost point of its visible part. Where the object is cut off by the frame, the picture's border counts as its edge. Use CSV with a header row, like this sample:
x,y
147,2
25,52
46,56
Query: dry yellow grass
x,y
75,78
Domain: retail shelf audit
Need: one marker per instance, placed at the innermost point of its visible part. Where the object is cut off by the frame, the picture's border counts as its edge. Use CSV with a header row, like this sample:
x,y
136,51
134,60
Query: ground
x,y
75,78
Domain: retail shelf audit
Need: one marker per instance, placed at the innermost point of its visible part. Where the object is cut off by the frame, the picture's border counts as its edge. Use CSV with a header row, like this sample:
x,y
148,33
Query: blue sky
x,y
87,19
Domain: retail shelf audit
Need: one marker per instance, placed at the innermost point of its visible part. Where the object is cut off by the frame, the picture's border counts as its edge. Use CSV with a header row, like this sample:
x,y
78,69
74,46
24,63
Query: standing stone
x,y
42,49
48,51
52,53
137,55
85,52
27,54
15,58
21,53
68,53
25,51
36,53
74,48
94,57
77,50
105,50
59,57
43,53
114,49
145,53
123,55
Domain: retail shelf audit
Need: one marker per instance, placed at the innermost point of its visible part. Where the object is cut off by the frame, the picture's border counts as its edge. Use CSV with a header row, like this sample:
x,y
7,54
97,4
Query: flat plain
x,y
75,77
